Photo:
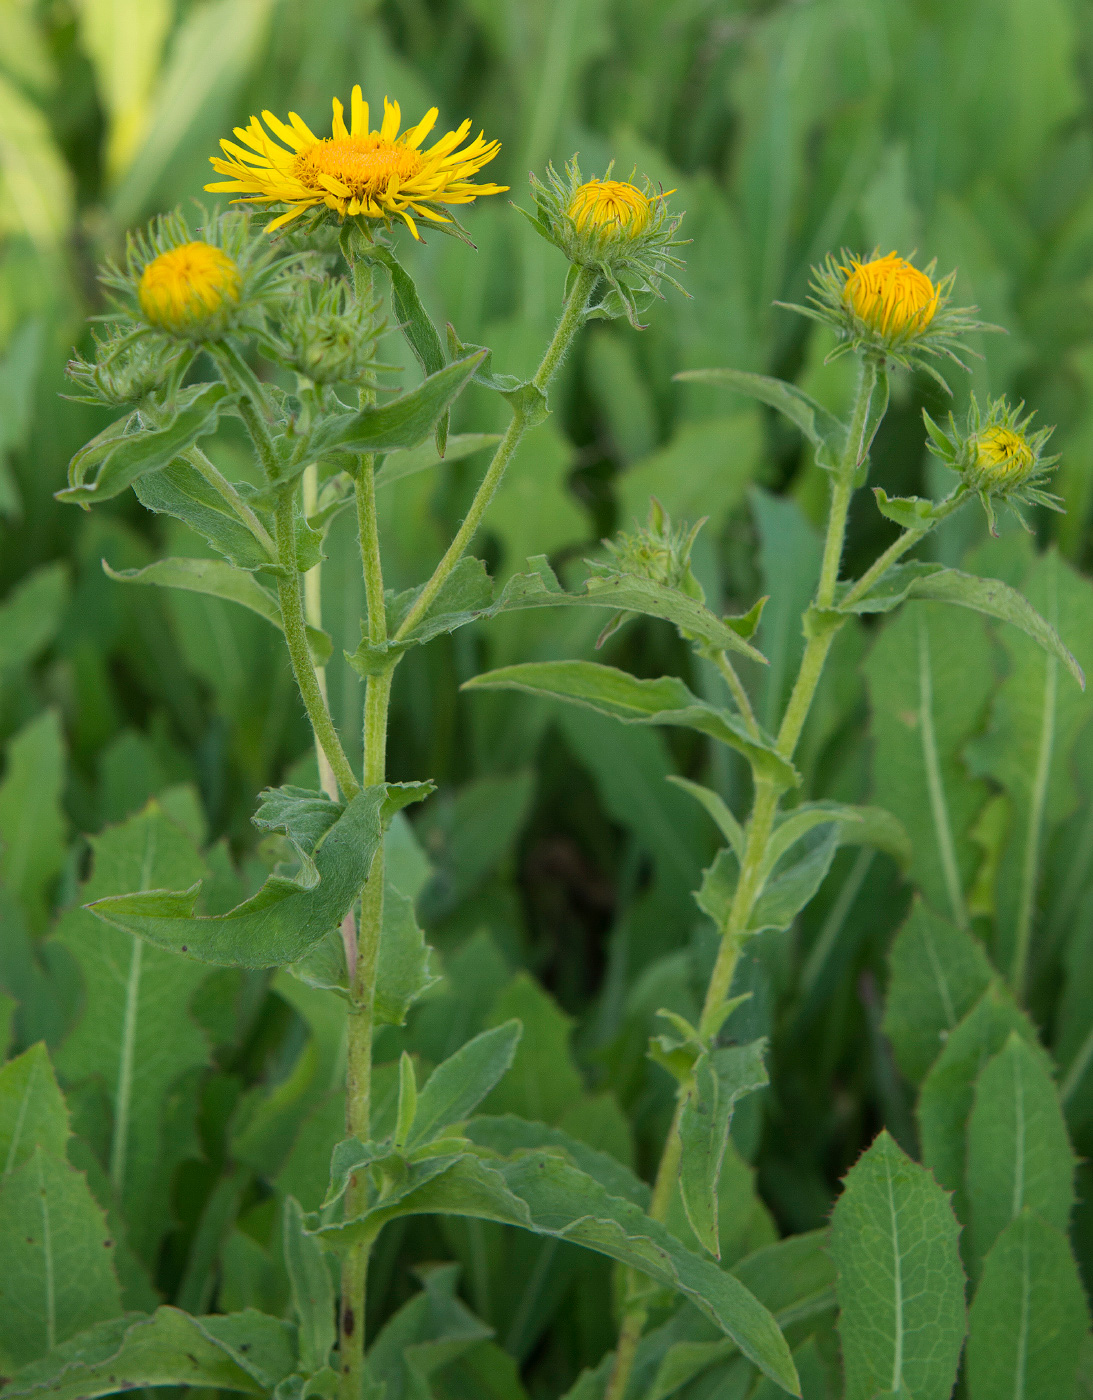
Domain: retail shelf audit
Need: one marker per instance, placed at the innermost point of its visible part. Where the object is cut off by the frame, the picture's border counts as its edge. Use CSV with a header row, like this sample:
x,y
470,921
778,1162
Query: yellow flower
x,y
610,205
1004,457
186,285
890,295
355,170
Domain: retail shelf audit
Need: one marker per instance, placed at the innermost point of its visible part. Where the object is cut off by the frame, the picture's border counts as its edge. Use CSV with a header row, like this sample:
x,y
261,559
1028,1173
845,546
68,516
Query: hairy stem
x,y
292,615
759,829
224,487
739,694
572,319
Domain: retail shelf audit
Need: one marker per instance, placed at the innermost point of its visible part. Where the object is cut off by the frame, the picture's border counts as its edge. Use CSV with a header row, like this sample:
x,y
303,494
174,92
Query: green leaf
x,y
31,614
506,1134
786,891
538,1191
909,512
622,696
715,805
116,458
1018,1151
287,916
857,826
134,1034
312,1291
947,1094
219,579
32,823
900,1284
246,1351
1029,1317
58,1276
401,422
411,460
457,1086
180,490
427,1333
721,1076
820,427
930,676
936,974
413,320
32,1110
544,1080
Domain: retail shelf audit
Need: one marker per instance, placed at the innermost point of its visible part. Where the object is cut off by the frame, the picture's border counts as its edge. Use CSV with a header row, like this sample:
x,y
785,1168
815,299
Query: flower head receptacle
x,y
998,456
355,171
887,307
658,551
325,335
618,228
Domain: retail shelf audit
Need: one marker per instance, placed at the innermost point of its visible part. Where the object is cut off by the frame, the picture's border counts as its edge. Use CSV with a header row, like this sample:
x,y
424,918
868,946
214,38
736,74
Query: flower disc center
x,y
365,165
890,294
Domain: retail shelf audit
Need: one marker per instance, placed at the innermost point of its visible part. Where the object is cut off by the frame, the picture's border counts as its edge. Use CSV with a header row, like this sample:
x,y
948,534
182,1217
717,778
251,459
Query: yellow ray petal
x,y
416,134
340,133
392,119
283,132
302,129
359,110
283,219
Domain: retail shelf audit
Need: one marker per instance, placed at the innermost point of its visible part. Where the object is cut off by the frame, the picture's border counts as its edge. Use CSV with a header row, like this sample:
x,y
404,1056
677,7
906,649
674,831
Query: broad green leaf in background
x,y
900,1283
58,1275
930,676
789,556
36,186
32,1110
287,916
31,614
247,1352
936,974
543,1081
622,696
32,822
411,460
1018,1151
135,1036
947,1094
312,1291
1028,1318
721,1077
428,1332
703,470
124,40
540,1192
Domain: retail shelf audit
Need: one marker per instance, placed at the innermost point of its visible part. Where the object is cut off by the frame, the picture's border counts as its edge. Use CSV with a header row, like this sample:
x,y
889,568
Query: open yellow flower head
x,y
185,286
613,206
355,170
890,294
1004,457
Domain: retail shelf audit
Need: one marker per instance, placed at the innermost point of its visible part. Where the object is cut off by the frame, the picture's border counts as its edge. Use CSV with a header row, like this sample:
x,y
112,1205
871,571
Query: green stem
x,y
224,488
739,694
572,319
292,615
253,409
759,829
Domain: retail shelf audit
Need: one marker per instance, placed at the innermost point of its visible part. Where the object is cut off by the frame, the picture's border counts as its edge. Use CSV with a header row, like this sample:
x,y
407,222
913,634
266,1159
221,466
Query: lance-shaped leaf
x,y
721,1076
179,489
289,913
900,1283
32,1109
457,1086
1018,1151
219,579
786,891
858,826
936,974
990,596
1029,1317
117,457
402,422
541,1192
312,1291
246,1351
716,806
823,430
616,693
32,819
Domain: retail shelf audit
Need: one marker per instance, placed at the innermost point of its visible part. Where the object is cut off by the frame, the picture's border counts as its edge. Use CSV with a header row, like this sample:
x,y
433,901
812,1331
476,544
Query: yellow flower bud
x,y
890,295
1004,458
610,206
186,286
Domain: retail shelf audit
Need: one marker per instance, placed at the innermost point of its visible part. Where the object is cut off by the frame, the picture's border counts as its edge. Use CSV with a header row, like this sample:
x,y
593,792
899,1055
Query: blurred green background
x,y
959,128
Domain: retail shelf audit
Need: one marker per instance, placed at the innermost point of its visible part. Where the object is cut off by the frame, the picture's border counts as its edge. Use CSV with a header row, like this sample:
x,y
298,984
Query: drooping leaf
x,y
219,579
58,1276
1028,1318
401,422
179,489
937,973
32,1109
822,429
1018,1151
312,1291
287,916
540,1192
721,1076
117,457
247,1352
622,696
135,1035
900,1283
32,824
